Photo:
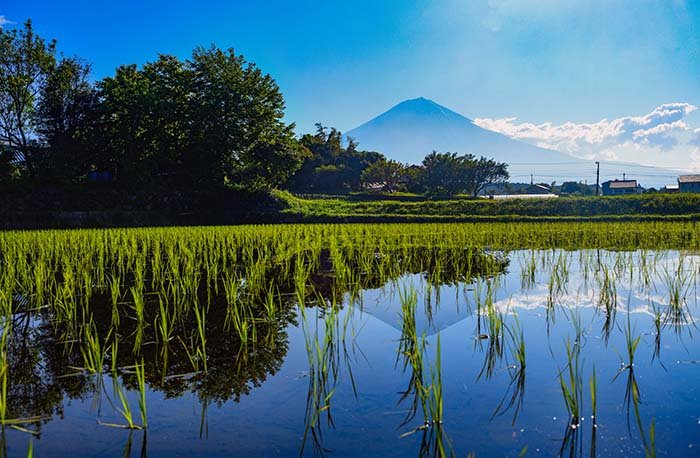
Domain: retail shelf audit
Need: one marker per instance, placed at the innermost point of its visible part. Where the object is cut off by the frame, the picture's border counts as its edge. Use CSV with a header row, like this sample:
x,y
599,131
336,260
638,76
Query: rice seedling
x,y
115,294
200,316
571,383
678,283
139,309
164,323
323,357
411,349
515,393
92,350
124,408
141,381
593,385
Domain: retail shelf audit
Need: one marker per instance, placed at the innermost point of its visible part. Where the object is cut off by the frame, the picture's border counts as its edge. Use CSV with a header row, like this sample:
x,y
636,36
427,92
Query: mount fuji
x,y
415,127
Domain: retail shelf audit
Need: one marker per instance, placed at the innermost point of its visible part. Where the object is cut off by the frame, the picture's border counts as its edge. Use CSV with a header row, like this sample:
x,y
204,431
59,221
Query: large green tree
x,y
65,118
485,171
446,173
143,125
387,174
214,119
451,174
26,61
237,122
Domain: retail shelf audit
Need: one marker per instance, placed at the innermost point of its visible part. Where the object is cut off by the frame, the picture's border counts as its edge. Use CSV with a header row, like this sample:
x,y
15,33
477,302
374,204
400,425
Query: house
x,y
619,187
670,188
519,196
538,189
689,183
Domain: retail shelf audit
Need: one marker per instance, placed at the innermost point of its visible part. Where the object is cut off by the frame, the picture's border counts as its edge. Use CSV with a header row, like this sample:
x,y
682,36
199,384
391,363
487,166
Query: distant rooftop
x,y
622,184
689,179
520,196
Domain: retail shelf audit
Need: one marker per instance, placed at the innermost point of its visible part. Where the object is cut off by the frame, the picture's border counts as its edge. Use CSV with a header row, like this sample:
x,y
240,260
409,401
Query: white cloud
x,y
695,140
603,155
695,160
4,21
654,129
499,12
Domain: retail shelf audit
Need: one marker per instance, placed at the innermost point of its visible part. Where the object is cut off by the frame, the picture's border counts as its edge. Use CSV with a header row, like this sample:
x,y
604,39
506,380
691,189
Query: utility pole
x,y
532,178
597,178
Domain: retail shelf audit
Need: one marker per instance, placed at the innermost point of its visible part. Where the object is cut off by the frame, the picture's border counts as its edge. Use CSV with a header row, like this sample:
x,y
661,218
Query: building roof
x,y
520,196
622,184
689,179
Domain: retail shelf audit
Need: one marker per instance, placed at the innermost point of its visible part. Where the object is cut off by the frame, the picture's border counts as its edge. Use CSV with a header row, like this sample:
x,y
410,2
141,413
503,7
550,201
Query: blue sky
x,y
513,64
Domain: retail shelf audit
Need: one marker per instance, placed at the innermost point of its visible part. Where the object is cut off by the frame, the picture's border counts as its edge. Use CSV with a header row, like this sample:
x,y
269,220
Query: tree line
x,y
209,121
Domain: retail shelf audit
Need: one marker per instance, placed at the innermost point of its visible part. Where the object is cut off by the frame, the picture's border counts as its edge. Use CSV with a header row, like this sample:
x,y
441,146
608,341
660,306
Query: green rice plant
x,y
435,404
650,447
570,380
141,381
571,383
658,329
164,322
495,331
608,300
411,350
593,386
4,375
678,283
515,393
115,294
139,309
323,359
528,271
92,350
124,409
200,316
192,354
270,305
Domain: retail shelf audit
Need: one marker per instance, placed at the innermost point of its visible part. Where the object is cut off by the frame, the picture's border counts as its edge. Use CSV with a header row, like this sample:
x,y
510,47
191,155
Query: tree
x,y
446,173
330,167
212,120
572,188
451,174
485,172
236,115
123,109
386,173
413,176
65,116
26,61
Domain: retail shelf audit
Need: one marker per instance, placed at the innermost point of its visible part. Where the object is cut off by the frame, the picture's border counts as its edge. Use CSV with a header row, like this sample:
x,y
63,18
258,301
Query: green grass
x,y
671,207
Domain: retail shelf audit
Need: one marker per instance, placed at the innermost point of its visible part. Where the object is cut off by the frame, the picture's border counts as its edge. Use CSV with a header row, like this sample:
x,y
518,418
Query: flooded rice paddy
x,y
352,340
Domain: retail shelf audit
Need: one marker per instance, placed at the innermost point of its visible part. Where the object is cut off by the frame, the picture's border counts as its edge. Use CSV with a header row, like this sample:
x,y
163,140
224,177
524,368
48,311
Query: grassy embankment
x,y
651,207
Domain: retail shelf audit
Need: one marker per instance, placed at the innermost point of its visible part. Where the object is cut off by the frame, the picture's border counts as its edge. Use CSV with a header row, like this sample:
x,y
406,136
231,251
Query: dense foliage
x,y
210,120
450,174
333,167
412,209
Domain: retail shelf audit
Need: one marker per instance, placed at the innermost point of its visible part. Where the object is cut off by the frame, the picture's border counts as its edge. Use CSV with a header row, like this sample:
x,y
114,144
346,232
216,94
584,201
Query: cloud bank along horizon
x,y
663,134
